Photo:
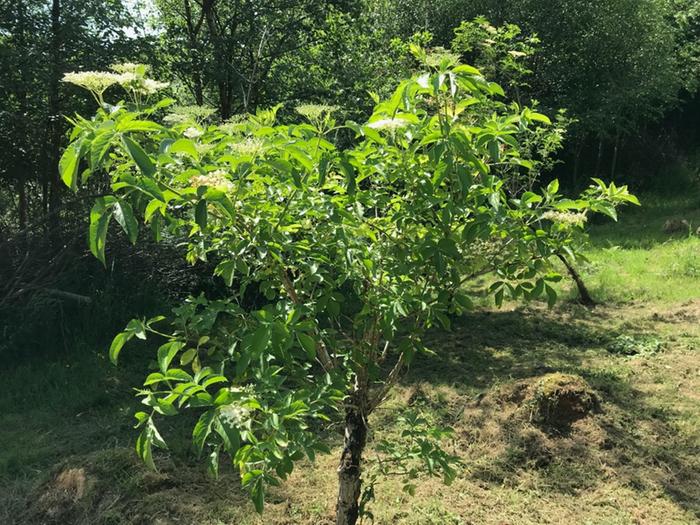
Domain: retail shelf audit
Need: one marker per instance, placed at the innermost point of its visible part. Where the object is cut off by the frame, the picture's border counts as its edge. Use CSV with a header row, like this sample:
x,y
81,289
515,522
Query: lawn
x,y
65,424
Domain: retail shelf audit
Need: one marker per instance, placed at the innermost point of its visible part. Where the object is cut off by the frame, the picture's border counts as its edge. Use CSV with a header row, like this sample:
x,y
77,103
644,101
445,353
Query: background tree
x,y
224,51
41,41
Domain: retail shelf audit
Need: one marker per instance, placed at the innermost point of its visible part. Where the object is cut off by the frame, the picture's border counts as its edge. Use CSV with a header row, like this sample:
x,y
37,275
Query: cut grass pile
x,y
65,423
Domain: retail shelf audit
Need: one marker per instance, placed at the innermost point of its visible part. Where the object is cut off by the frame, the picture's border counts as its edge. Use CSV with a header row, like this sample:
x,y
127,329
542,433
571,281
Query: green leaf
x,y
202,430
322,170
139,125
259,340
258,494
200,214
150,187
100,215
605,208
148,437
124,215
166,352
539,117
308,344
213,462
226,269
68,165
154,206
498,297
140,157
551,295
99,147
463,300
144,447
176,374
350,175
137,327
117,343
185,146
187,357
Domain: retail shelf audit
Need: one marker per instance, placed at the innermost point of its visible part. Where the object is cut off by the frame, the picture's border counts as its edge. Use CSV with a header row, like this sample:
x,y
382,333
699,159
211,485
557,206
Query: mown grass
x,y
635,462
635,260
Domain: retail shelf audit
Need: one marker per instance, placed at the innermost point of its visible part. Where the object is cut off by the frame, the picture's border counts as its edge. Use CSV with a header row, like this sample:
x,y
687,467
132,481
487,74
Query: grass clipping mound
x,y
536,430
557,400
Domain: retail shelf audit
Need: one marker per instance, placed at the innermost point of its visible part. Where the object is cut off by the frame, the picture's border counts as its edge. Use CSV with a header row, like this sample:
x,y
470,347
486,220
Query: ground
x,y
65,424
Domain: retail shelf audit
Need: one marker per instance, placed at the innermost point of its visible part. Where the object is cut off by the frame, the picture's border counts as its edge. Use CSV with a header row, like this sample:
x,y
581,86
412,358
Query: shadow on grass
x,y
631,443
487,348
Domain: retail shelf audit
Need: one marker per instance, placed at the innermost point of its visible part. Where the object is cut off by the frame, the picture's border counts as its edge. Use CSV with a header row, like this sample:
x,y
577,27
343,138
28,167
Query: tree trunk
x,y
217,39
577,161
349,471
54,124
613,166
584,296
195,56
22,162
599,157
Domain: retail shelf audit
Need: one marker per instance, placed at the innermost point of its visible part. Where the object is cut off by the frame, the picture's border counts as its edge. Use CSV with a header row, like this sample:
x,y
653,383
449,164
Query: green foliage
x,y
344,249
505,53
501,53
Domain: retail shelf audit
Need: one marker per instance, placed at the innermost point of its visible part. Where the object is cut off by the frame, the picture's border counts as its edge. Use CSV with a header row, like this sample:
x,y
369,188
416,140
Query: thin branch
x,y
391,380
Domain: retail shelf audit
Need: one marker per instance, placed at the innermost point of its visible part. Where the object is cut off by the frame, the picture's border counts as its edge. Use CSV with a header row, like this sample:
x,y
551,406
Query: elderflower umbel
x,y
568,218
181,114
95,81
138,84
389,124
249,146
214,179
315,111
234,415
192,133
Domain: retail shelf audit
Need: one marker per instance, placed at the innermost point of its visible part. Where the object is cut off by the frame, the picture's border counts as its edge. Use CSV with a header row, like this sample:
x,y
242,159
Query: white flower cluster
x,y
248,146
389,124
193,133
130,76
315,111
141,85
568,218
95,81
180,114
214,179
234,415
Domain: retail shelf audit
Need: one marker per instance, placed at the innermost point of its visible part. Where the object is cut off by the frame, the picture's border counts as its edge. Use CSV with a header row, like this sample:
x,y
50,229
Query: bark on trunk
x,y
599,157
51,175
349,470
193,29
577,161
215,33
584,296
613,166
22,162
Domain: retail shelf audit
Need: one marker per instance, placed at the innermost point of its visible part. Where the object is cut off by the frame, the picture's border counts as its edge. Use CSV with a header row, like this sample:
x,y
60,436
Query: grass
x,y
633,260
65,422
